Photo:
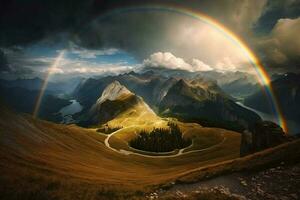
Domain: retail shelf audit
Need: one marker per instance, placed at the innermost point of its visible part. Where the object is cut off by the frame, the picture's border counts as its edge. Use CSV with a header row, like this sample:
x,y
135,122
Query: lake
x,y
68,111
293,127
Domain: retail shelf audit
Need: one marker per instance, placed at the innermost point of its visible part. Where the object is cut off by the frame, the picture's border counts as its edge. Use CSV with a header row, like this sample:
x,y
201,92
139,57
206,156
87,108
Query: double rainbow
x,y
262,75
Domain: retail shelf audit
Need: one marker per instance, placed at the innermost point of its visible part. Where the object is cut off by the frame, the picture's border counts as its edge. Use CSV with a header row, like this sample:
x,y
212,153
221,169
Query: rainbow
x,y
45,83
261,73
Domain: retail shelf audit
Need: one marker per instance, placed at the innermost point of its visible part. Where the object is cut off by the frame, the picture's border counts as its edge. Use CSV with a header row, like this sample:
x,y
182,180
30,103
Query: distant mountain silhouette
x,y
237,84
24,100
287,91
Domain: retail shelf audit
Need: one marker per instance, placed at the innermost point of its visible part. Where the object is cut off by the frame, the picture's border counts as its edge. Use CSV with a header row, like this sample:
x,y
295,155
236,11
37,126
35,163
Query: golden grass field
x,y
42,150
43,160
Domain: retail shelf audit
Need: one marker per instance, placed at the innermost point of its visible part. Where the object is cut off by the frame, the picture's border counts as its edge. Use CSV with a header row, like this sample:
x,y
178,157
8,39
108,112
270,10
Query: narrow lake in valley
x,y
70,110
293,127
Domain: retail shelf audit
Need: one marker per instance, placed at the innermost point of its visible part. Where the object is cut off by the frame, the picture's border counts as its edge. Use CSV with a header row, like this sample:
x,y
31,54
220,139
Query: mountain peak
x,y
116,105
114,91
181,87
181,84
132,73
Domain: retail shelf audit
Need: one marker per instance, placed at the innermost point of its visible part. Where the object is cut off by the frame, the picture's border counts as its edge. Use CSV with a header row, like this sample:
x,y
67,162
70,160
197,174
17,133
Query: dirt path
x,y
159,155
277,183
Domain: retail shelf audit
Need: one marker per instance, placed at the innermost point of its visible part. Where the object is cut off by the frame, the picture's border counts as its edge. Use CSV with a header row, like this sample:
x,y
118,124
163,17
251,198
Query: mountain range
x,y
42,160
24,100
237,84
195,99
22,95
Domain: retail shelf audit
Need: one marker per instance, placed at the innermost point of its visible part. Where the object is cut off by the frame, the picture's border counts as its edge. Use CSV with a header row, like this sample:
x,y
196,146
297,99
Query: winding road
x,y
158,155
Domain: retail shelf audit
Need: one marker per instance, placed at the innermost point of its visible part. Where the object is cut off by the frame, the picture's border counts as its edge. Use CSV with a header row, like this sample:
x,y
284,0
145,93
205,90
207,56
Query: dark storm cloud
x,y
281,48
18,64
275,10
279,25
4,67
143,33
25,22
136,33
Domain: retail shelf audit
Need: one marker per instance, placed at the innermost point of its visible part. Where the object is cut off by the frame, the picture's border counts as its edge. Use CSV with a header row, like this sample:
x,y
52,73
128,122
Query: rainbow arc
x,y
261,73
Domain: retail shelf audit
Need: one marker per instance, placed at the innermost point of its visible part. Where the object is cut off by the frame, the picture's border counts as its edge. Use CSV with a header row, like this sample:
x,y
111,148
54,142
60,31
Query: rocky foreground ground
x,y
278,183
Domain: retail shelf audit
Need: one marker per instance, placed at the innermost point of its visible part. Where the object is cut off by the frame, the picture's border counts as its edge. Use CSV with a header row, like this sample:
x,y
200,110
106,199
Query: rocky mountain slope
x,y
241,87
157,91
192,100
237,84
147,85
117,102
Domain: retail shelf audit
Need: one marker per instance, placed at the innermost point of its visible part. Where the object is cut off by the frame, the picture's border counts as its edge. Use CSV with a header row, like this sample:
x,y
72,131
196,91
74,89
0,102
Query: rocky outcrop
x,y
246,143
267,134
112,92
263,135
115,99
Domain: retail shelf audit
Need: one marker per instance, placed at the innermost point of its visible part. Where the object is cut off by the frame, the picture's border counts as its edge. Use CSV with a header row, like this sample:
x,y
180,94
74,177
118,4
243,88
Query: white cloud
x,y
198,65
85,53
79,66
113,69
226,65
70,66
168,60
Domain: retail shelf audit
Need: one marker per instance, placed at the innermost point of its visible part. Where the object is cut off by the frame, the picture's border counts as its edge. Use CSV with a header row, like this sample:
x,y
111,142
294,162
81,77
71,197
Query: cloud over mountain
x,y
168,60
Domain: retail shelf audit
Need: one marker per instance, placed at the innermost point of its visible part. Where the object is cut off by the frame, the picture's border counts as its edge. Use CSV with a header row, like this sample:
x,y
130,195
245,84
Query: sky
x,y
99,37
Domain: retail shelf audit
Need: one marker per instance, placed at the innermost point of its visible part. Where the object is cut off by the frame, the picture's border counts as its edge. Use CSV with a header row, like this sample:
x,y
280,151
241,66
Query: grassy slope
x,y
139,114
288,153
141,117
42,160
202,137
38,157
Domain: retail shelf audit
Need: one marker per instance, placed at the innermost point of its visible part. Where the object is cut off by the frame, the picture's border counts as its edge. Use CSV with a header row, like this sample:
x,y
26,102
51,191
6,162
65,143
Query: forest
x,y
160,139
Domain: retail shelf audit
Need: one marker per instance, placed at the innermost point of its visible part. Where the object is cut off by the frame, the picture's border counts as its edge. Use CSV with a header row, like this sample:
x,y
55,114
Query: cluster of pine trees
x,y
160,140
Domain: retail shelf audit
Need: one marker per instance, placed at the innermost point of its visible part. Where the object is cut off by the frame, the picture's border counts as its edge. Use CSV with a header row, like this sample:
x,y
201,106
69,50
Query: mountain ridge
x,y
193,102
155,89
116,100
